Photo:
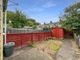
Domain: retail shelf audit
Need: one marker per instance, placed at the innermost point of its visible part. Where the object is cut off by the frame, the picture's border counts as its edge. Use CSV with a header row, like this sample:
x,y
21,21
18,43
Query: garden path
x,y
67,52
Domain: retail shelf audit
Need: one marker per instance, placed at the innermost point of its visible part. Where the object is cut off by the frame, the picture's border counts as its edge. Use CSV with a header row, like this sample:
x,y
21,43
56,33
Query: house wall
x,y
1,30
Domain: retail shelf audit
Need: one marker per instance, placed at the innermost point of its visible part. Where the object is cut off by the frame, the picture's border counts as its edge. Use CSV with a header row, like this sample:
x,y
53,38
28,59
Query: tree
x,y
71,18
18,20
32,23
10,16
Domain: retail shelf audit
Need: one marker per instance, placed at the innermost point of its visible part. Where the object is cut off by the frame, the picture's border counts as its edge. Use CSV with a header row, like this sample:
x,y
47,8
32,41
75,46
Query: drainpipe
x,y
5,24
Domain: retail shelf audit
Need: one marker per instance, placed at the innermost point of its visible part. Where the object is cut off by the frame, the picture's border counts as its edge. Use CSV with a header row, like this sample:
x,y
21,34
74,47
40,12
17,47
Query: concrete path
x,y
66,52
32,54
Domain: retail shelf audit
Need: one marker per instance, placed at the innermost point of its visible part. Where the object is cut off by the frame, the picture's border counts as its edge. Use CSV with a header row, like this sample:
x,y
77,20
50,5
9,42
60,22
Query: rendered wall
x,y
1,30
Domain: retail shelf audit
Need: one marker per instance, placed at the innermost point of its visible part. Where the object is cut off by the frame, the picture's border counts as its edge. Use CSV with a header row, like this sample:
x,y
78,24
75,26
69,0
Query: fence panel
x,y
24,39
14,38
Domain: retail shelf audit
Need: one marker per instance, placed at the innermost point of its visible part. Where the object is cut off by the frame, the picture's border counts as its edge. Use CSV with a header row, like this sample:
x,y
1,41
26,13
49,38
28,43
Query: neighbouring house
x,y
41,27
51,25
28,27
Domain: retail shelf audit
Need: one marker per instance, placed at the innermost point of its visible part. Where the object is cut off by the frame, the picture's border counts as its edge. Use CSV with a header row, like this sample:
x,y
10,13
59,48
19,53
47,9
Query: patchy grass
x,y
54,45
33,45
48,46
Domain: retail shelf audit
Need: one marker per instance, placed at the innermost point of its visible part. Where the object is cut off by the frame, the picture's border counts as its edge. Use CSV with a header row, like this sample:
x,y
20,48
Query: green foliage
x,y
71,18
10,16
18,20
72,8
54,45
31,23
33,45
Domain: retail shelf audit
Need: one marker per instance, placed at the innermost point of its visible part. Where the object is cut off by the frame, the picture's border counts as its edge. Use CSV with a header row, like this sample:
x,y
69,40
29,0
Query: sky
x,y
41,10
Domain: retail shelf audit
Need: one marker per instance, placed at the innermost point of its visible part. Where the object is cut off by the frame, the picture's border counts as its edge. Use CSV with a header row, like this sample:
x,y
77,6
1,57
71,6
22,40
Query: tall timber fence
x,y
24,39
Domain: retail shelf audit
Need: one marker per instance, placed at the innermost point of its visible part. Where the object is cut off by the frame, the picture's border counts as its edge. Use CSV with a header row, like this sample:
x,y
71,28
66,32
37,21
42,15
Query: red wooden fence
x,y
58,33
24,39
